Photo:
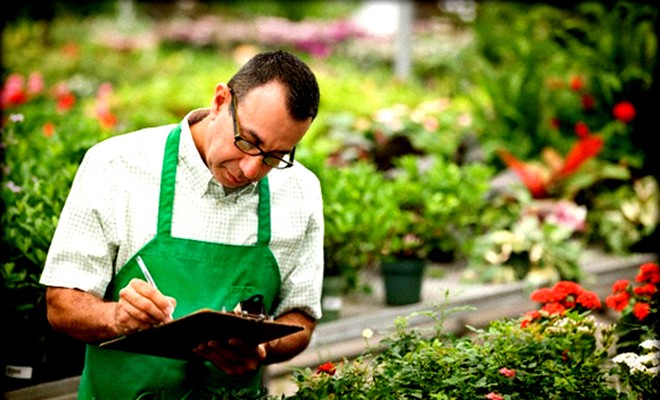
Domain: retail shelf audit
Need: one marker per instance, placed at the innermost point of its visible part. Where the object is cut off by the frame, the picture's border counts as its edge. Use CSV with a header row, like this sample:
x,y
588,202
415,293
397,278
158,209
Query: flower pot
x,y
402,280
331,301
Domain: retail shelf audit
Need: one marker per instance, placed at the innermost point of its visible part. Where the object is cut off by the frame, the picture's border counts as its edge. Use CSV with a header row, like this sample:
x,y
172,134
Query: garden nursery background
x,y
475,144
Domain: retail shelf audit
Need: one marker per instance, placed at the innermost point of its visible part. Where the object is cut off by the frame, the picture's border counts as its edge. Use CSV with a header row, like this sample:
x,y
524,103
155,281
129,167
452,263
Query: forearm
x,y
90,319
288,347
81,315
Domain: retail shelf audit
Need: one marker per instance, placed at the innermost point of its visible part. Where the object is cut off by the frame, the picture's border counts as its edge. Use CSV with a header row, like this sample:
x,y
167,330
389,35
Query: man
x,y
218,211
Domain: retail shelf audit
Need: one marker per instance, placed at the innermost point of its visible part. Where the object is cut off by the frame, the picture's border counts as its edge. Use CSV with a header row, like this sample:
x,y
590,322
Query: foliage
x,y
563,355
356,200
431,195
45,134
638,305
555,68
540,246
623,217
640,371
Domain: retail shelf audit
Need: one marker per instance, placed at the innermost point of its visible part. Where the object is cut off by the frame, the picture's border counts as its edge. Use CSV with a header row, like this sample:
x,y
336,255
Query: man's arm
x,y
86,317
236,357
289,346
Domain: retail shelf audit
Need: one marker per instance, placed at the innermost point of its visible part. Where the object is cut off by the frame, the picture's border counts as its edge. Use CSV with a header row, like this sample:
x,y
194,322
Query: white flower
x,y
16,117
367,333
649,344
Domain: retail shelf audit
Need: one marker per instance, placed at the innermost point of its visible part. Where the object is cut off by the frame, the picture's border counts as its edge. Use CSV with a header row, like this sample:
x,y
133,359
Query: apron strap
x,y
263,237
168,181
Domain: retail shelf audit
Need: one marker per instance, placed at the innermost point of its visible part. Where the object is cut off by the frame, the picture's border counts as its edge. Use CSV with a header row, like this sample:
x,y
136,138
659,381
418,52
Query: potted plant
x,y
430,222
357,202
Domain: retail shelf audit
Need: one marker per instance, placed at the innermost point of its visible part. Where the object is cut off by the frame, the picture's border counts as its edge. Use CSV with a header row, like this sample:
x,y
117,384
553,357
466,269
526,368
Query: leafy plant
x,y
638,304
432,194
540,246
562,355
358,207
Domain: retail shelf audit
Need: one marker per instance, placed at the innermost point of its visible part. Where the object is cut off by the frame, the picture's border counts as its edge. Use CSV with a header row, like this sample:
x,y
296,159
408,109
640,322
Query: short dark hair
x,y
303,89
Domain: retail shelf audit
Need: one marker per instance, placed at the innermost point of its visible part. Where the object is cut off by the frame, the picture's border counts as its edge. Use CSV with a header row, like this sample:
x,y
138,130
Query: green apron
x,y
199,275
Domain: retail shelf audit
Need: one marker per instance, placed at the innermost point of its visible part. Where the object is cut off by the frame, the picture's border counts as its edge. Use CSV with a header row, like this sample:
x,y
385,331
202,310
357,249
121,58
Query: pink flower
x,y
494,396
509,373
35,84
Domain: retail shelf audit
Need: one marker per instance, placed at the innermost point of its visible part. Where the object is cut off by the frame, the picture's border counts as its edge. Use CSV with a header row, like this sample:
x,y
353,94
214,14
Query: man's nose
x,y
251,166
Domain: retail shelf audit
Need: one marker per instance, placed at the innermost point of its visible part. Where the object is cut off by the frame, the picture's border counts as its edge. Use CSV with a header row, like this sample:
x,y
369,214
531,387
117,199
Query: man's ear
x,y
221,96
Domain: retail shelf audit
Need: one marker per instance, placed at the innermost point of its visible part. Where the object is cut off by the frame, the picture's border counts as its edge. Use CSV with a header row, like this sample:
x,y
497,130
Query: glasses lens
x,y
246,146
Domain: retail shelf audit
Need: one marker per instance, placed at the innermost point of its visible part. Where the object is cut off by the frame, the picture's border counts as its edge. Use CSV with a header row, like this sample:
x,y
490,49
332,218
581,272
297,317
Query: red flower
x,y
544,295
588,300
618,301
577,83
531,175
648,272
588,102
529,317
567,288
65,101
583,150
49,129
555,123
581,129
641,310
620,285
326,368
624,111
13,92
509,373
647,290
554,309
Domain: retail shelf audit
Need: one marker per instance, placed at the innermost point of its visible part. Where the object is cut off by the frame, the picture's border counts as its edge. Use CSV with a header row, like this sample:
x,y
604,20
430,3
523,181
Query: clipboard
x,y
178,338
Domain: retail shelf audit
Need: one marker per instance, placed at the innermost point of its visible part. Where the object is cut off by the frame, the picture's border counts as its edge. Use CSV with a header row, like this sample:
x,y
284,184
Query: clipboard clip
x,y
253,308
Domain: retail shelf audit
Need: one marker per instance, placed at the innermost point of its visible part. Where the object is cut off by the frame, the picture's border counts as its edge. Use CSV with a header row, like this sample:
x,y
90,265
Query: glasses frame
x,y
268,159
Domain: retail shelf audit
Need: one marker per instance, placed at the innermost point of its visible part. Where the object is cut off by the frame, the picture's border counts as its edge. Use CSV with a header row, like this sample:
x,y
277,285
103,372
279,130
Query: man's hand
x,y
89,318
142,306
234,357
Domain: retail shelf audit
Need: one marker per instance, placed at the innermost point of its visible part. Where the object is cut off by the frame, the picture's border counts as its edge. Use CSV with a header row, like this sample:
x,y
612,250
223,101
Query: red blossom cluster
x,y
564,296
637,297
326,368
17,91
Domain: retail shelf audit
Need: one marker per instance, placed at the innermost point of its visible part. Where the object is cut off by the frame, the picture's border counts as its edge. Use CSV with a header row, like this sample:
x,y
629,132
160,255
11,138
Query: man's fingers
x,y
147,304
234,359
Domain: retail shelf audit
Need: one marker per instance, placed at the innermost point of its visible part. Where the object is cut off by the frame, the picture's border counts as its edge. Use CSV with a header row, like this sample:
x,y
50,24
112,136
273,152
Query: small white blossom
x,y
649,344
367,333
16,117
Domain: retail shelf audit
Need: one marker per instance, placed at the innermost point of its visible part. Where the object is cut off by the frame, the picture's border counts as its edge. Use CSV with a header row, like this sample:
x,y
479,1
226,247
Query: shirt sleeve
x,y
81,253
303,267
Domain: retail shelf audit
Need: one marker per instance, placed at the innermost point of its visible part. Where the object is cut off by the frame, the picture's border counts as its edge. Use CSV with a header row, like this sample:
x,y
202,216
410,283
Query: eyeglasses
x,y
252,149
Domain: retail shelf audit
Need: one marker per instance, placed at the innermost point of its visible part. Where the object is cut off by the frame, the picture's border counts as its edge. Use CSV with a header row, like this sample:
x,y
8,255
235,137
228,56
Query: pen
x,y
145,272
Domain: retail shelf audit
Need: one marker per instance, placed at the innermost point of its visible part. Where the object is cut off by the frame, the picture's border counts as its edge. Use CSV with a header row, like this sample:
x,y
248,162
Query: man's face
x,y
263,120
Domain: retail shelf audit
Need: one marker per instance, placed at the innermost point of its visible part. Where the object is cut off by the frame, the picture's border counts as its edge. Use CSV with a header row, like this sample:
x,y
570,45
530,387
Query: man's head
x,y
257,118
303,91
